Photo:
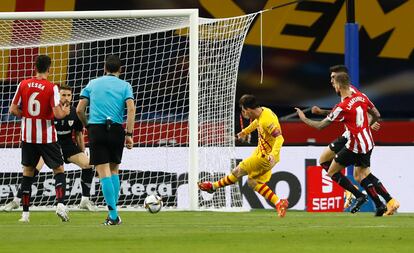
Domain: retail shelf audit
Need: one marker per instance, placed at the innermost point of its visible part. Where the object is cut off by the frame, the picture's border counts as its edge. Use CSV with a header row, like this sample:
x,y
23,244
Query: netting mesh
x,y
155,57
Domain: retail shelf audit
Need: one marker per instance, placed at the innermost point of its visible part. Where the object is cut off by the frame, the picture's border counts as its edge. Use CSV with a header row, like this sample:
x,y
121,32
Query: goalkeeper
x,y
259,165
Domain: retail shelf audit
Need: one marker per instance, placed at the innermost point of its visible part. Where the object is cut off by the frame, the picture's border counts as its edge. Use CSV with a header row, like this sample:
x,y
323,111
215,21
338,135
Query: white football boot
x,y
62,212
14,204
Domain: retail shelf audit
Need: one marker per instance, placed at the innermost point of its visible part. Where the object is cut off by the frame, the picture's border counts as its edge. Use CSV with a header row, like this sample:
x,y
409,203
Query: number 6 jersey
x,y
36,98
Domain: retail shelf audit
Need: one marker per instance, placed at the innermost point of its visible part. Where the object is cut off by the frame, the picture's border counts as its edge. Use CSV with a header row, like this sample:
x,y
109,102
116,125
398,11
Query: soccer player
x,y
72,152
259,165
107,97
353,112
334,147
37,102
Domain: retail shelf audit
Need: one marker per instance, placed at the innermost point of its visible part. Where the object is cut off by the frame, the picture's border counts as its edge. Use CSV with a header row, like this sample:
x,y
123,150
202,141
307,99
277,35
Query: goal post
x,y
193,113
183,71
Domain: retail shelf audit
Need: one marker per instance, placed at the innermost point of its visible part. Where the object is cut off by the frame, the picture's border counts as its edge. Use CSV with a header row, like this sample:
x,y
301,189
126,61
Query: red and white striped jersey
x,y
352,111
36,98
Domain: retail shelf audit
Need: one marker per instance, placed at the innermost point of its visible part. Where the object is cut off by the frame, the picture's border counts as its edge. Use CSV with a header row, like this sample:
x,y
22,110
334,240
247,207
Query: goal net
x,y
158,57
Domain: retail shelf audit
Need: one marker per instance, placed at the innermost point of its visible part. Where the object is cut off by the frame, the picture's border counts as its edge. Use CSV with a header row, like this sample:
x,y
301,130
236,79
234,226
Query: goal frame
x,y
193,16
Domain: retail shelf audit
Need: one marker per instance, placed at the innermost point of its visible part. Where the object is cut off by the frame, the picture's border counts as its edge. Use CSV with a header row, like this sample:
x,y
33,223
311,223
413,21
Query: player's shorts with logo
x,y
258,166
346,158
106,146
69,148
50,153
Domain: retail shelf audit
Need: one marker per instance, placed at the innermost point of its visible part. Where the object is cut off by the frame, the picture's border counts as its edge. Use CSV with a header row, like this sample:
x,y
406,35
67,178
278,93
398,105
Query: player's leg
x,y
60,189
325,161
379,187
27,182
229,179
108,191
259,170
115,180
329,152
392,203
257,181
39,166
30,157
80,159
52,155
117,140
100,158
343,159
362,169
326,158
15,203
369,187
234,176
281,205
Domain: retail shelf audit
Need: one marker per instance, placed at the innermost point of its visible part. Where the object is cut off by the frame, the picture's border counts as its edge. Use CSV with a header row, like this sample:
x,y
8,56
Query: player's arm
x,y
80,142
318,111
14,108
250,128
130,122
313,123
373,115
275,132
374,125
81,111
79,136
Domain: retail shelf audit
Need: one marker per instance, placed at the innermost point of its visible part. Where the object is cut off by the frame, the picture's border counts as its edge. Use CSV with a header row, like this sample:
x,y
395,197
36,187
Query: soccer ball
x,y
153,203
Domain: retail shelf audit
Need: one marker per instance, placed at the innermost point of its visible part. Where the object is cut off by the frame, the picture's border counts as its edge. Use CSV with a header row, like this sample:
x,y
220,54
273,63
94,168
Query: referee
x,y
107,97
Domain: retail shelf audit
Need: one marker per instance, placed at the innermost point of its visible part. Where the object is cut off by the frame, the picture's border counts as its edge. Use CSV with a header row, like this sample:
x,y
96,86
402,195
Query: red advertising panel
x,y
322,194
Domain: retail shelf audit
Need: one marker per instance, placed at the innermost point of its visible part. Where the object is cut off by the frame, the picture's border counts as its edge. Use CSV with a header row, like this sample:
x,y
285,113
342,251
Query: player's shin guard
x,y
86,181
227,180
266,192
379,187
116,183
109,195
370,188
60,187
345,183
26,192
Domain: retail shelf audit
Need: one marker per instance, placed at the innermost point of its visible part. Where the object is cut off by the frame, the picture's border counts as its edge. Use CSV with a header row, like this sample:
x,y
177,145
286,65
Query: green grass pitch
x,y
255,231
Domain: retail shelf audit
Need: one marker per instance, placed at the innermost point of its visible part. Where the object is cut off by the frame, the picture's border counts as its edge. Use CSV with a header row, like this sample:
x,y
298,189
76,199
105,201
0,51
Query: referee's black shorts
x,y
50,152
106,146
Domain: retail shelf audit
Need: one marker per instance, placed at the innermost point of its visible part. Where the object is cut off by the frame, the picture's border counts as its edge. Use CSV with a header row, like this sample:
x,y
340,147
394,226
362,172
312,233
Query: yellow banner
x,y
369,15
